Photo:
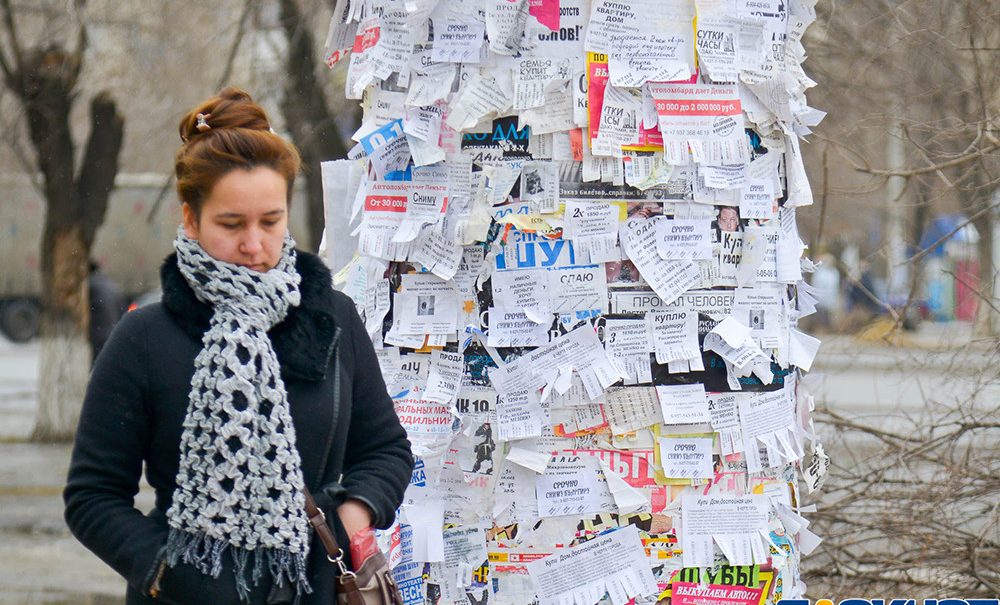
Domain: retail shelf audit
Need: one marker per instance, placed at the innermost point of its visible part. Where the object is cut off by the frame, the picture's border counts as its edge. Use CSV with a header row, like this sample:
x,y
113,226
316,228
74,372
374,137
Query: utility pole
x,y
898,272
994,323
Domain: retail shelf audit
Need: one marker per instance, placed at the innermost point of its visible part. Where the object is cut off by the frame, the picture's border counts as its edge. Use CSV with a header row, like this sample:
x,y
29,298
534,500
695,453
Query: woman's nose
x,y
251,244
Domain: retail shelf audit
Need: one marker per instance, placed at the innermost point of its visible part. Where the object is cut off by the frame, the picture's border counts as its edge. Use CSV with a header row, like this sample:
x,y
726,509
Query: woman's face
x,y
243,219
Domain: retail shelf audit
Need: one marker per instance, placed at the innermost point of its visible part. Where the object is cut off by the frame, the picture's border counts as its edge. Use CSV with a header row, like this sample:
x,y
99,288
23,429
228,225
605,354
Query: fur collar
x,y
304,341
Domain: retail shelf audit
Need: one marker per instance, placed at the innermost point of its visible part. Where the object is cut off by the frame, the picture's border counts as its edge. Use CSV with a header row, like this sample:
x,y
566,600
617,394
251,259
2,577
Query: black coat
x,y
137,400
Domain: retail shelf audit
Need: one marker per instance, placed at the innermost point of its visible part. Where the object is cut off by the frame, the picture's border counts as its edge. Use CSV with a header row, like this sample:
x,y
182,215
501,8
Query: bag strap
x,y
347,581
318,521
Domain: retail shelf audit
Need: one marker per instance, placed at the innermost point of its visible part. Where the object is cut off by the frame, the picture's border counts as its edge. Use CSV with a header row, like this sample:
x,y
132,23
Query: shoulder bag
x,y
371,584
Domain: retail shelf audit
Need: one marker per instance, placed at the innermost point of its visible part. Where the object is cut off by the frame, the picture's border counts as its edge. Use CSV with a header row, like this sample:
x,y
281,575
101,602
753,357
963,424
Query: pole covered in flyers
x,y
584,215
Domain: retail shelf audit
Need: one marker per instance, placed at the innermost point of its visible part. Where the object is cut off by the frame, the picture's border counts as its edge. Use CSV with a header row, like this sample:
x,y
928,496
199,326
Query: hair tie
x,y
202,124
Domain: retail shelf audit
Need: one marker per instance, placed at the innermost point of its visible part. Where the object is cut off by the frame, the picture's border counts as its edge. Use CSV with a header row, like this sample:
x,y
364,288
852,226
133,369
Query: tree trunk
x,y
71,222
75,208
64,359
986,323
307,115
920,216
980,194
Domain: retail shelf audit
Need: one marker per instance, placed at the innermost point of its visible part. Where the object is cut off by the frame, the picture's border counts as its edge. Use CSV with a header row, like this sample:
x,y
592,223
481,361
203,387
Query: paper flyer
x,y
580,266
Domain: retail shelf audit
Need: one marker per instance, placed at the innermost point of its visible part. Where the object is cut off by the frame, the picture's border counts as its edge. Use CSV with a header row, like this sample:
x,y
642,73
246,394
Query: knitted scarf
x,y
239,485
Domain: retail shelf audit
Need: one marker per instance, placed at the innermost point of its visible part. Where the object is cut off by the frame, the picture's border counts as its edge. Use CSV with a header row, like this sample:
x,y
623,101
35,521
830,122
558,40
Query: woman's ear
x,y
190,221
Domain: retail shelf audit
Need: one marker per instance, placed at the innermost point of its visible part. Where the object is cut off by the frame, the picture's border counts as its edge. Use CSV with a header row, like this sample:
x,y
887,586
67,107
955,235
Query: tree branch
x,y
227,71
100,163
923,152
29,167
8,71
974,289
919,255
15,43
993,146
823,196
82,38
237,40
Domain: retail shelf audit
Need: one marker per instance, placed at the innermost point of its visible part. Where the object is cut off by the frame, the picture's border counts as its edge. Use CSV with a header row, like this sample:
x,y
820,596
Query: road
x,y
876,384
40,562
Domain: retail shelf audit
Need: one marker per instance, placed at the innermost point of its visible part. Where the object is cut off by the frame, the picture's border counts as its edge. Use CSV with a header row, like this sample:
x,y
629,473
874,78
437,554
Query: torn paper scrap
x,y
733,522
686,457
683,403
572,485
445,376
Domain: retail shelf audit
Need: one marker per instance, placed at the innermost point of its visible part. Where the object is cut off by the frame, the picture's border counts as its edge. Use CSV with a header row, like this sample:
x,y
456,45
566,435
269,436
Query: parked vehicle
x,y
129,246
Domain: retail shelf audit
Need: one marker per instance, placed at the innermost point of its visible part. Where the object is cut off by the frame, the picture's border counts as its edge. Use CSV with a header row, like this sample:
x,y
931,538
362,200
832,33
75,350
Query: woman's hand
x,y
355,516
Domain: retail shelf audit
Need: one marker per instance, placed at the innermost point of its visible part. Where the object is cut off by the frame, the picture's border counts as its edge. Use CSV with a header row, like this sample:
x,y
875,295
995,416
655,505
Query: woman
x,y
251,379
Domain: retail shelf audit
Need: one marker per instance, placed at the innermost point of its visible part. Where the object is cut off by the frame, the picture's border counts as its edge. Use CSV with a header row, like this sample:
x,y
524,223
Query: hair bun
x,y
232,133
232,93
231,107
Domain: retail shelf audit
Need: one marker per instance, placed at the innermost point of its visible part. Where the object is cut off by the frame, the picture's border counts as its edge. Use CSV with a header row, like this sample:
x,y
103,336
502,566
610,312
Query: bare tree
x,y
916,117
911,507
44,77
307,115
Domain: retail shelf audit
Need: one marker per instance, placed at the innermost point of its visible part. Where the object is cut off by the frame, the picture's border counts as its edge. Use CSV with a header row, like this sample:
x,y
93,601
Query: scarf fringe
x,y
204,553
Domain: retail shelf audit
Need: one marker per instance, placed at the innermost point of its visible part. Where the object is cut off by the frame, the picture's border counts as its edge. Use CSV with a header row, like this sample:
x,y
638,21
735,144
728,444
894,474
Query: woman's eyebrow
x,y
275,212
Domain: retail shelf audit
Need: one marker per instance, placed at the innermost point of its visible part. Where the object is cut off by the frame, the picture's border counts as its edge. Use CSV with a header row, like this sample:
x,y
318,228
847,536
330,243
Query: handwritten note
x,y
661,57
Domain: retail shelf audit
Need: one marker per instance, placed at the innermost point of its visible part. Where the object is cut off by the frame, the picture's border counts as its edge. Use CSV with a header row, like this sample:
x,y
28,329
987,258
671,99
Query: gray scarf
x,y
239,485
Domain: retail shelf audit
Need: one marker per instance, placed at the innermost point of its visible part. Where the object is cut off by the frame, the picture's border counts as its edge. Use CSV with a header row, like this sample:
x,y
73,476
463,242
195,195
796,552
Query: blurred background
x,y
905,171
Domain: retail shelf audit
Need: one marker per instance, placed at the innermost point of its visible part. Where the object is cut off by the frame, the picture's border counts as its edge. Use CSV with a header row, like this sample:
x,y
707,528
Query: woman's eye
x,y
270,223
230,226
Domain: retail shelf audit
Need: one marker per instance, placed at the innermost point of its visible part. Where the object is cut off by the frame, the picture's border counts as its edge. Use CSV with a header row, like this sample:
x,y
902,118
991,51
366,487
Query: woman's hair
x,y
224,133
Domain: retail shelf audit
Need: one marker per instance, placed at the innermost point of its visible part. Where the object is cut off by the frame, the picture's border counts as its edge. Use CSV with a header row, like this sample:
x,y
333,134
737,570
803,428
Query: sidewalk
x,y
932,344
40,561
